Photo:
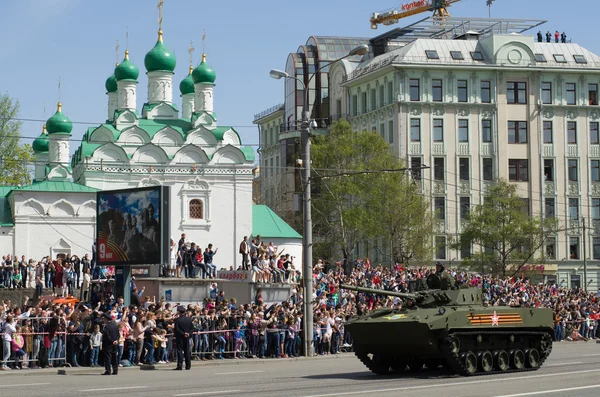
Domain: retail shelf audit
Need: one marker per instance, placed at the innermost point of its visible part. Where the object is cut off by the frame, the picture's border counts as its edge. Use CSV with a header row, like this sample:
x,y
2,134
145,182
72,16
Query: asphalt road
x,y
573,369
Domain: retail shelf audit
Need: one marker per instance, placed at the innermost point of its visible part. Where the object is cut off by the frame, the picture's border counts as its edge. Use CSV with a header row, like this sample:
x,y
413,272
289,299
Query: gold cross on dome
x,y
191,52
117,51
203,40
160,8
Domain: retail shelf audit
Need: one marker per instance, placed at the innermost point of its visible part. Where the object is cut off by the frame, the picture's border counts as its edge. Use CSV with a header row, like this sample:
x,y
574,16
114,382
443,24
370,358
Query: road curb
x,y
211,363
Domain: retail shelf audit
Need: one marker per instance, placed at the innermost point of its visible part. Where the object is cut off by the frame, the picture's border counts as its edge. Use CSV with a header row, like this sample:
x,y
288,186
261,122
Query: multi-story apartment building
x,y
479,105
279,127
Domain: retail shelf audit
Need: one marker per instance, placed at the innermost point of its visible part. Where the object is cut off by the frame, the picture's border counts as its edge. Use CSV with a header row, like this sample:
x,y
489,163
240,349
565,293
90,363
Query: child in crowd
x,y
95,345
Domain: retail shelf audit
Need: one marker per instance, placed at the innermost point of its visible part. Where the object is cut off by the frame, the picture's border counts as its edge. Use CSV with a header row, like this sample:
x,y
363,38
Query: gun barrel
x,y
380,292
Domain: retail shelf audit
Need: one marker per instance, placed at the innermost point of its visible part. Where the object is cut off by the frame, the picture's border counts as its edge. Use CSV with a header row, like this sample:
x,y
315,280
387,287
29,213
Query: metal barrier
x,y
38,347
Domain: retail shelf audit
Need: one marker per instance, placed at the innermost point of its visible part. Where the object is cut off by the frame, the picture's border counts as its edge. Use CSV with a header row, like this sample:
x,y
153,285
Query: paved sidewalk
x,y
209,363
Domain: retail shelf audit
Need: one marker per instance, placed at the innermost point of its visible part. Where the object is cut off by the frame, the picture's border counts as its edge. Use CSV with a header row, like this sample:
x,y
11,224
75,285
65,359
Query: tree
x,y
15,158
361,193
508,236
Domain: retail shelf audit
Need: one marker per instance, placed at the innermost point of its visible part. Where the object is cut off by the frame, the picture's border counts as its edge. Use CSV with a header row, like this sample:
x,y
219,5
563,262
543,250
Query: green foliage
x,y
362,193
15,158
508,237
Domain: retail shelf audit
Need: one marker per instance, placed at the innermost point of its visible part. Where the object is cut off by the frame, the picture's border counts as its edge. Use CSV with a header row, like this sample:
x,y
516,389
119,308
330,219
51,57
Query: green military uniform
x,y
446,281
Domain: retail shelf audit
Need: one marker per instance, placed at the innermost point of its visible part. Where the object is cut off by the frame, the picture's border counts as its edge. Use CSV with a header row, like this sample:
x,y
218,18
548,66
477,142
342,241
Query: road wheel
x,y
470,362
399,364
486,361
532,357
415,364
517,359
502,360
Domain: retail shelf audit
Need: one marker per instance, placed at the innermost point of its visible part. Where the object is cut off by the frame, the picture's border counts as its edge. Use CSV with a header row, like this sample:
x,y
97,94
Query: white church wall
x,y
48,223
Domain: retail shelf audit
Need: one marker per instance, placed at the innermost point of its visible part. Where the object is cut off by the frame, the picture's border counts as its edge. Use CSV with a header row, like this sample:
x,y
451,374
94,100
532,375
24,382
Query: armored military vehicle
x,y
447,327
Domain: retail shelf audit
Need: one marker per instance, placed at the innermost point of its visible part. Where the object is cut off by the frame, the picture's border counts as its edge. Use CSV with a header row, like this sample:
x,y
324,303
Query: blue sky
x,y
75,39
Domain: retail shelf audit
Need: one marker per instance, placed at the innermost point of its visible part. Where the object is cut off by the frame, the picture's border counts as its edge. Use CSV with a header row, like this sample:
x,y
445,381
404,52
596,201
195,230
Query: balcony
x,y
438,149
594,150
572,151
487,149
414,149
463,149
548,150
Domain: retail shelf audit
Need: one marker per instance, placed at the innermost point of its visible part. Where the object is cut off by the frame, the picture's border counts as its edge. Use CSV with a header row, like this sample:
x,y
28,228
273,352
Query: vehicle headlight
x,y
442,310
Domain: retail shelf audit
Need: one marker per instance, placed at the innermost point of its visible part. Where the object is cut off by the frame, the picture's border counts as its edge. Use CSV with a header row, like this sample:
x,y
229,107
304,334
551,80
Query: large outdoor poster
x,y
129,228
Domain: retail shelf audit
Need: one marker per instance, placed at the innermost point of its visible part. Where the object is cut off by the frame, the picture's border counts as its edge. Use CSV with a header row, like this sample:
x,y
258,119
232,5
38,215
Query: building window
x,y
540,58
464,169
595,170
518,170
415,130
517,132
354,105
432,54
574,209
488,169
572,166
391,131
373,99
463,130
438,168
486,92
516,92
594,133
390,92
415,94
550,209
560,58
465,206
457,55
596,247
572,132
548,132
440,208
440,247
438,130
571,94
463,92
579,59
574,247
363,100
547,93
477,56
381,96
415,168
465,251
596,209
382,130
486,131
436,88
551,248
196,209
593,94
548,170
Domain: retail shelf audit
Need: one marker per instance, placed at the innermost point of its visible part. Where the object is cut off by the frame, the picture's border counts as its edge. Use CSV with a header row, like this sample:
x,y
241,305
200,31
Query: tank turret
x,y
431,297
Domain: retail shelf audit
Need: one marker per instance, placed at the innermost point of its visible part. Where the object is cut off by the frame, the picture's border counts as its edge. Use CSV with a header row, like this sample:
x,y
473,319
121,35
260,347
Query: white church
x,y
206,165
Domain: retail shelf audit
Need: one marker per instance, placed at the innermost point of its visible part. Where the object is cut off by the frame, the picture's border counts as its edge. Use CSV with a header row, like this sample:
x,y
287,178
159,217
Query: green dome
x,y
59,123
40,144
126,70
187,85
111,83
204,73
160,58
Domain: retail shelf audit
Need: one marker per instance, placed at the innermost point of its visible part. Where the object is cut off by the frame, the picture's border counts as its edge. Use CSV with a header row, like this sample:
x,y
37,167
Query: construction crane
x,y
413,7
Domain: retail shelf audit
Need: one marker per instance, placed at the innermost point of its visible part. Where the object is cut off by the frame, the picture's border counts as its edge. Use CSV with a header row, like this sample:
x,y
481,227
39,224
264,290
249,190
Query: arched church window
x,y
196,209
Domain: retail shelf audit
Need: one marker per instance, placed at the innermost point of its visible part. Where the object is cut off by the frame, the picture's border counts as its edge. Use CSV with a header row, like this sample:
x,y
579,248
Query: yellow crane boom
x,y
439,8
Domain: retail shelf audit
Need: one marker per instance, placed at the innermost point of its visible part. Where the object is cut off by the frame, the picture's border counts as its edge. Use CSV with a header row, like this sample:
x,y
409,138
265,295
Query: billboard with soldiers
x,y
132,226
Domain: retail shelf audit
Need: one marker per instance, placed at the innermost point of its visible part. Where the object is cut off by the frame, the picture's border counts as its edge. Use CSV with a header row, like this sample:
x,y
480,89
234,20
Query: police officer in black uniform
x,y
183,333
110,344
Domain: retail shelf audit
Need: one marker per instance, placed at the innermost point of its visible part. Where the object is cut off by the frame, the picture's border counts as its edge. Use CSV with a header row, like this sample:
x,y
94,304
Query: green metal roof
x,y
268,224
248,152
56,186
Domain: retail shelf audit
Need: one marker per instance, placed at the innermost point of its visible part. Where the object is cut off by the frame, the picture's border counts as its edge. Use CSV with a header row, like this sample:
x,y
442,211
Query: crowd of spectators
x,y
46,333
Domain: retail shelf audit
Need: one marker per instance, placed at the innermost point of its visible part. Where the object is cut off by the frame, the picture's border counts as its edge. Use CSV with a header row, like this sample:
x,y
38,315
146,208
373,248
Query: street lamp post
x,y
307,218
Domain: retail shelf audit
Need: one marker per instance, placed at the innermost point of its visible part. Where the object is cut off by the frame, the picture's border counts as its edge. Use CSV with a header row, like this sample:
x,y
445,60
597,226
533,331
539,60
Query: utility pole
x,y
584,257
